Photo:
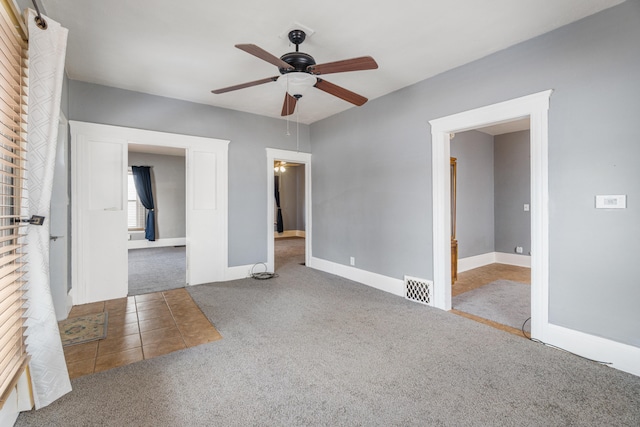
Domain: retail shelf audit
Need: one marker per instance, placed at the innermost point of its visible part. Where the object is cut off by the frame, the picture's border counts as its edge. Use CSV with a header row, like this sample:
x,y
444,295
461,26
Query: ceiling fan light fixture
x,y
297,83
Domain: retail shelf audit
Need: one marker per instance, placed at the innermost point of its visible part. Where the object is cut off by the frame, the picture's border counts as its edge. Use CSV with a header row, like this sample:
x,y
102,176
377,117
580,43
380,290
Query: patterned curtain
x,y
47,49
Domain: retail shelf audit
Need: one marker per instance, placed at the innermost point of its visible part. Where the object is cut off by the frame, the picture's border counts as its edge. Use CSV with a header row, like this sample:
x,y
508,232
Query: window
x,y
13,86
136,213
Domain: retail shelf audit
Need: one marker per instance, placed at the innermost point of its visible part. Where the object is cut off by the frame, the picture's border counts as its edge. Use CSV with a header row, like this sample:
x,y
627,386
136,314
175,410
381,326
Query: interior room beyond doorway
x,y
159,264
491,223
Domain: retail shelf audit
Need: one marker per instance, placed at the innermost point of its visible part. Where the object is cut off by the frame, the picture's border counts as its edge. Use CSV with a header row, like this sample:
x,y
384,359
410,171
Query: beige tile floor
x,y
481,276
140,327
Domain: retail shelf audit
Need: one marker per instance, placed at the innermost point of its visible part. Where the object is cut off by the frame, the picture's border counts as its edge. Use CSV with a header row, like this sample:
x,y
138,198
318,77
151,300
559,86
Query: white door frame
x,y
294,157
218,262
535,107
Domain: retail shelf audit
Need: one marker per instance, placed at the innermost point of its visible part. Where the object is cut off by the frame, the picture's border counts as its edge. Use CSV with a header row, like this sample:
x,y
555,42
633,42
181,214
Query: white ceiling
x,y
507,127
184,49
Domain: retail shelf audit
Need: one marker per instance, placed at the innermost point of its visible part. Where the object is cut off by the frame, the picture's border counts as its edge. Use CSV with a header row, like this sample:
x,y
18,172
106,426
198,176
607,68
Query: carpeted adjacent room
x,y
310,348
156,269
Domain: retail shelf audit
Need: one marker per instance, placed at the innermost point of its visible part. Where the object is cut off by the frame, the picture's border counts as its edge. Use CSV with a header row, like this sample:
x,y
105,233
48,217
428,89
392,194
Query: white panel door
x,y
205,237
101,219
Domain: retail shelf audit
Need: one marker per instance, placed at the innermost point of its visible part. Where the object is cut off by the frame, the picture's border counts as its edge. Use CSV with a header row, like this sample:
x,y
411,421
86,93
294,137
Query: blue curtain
x,y
280,224
142,180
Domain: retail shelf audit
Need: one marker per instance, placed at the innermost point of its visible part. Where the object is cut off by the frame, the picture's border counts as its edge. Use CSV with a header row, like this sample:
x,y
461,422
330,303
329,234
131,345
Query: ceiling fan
x,y
299,70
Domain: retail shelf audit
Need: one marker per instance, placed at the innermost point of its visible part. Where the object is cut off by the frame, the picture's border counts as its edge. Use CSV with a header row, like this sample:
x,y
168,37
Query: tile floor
x,y
481,276
140,327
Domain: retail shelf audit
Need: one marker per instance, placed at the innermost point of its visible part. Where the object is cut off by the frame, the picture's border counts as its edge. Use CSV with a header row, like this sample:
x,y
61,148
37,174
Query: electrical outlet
x,y
519,249
352,261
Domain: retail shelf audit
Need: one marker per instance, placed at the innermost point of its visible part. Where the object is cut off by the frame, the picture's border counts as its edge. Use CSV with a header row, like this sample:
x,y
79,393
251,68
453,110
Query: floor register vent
x,y
418,290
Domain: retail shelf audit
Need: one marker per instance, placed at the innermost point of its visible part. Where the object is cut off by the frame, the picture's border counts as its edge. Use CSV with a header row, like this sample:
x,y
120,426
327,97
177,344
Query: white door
x,y
59,227
100,219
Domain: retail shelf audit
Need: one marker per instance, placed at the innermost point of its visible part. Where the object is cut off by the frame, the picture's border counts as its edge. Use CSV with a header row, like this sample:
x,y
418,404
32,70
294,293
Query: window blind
x,y
136,213
13,110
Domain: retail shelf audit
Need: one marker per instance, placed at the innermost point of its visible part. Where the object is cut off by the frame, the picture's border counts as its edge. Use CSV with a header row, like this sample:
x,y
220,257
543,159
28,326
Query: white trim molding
x,y
160,243
290,233
536,107
378,281
617,355
477,261
274,154
513,259
239,272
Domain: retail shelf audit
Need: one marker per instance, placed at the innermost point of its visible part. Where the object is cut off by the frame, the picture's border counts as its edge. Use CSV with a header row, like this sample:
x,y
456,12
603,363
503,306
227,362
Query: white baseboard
x,y
289,233
513,259
619,356
469,263
239,272
378,281
141,244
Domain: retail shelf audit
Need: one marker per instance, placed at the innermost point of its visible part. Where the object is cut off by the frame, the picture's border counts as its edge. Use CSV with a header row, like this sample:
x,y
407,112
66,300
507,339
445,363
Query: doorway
x,y
99,254
535,107
289,213
492,225
304,162
158,265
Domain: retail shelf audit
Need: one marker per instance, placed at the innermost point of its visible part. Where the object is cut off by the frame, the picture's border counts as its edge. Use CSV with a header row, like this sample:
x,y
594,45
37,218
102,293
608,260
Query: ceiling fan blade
x,y
244,85
264,55
341,92
289,105
354,64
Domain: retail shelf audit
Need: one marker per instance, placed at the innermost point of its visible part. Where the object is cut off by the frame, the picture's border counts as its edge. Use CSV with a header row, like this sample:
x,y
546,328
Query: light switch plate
x,y
618,201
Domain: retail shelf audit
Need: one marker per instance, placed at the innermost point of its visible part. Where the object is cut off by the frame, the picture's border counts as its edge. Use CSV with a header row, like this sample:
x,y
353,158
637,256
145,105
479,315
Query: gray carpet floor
x,y
503,301
157,269
309,348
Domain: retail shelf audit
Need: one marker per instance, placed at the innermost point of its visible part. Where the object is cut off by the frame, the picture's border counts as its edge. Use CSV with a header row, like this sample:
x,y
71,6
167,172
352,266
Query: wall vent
x,y
418,290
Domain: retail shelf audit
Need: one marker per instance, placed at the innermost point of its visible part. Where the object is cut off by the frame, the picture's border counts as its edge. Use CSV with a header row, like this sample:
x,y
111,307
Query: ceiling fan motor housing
x,y
298,60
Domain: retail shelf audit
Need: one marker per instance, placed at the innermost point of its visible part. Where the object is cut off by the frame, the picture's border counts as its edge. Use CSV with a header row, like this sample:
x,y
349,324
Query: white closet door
x,y
100,221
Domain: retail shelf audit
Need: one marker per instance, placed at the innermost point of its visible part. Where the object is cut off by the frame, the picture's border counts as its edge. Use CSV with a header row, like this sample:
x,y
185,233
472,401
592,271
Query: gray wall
x,y
512,190
249,134
372,168
169,185
292,198
475,198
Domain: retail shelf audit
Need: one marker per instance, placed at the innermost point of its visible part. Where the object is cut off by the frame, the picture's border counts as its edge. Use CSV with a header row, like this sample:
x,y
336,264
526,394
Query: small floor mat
x,y
78,330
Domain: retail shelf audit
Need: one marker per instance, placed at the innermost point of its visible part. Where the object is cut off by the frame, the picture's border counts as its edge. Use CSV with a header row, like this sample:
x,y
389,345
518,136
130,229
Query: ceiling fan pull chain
x,y
298,128
288,133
